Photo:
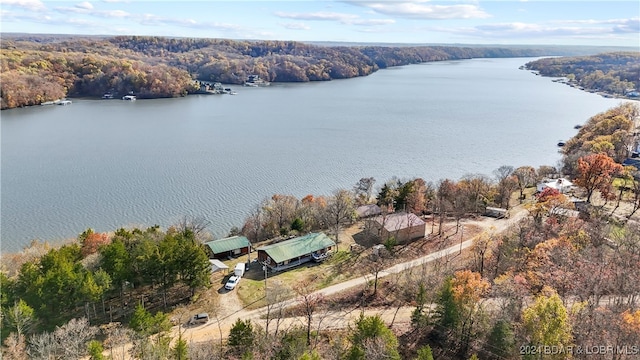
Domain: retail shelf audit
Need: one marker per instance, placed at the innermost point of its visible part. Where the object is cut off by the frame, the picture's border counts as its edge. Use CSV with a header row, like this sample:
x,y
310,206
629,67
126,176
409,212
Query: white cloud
x,y
347,19
631,25
296,26
96,13
85,5
372,22
33,5
112,14
319,16
520,30
424,10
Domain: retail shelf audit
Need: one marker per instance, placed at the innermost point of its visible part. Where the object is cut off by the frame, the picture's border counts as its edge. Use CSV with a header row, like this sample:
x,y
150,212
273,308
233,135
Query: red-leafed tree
x,y
596,172
92,242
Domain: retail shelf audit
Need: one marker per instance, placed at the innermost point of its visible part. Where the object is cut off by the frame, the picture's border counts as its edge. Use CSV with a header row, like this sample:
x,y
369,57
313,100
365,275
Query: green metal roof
x,y
228,244
303,245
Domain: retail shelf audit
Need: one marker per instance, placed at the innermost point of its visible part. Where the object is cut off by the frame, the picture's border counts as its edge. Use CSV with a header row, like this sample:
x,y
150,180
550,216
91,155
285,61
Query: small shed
x,y
403,226
228,247
369,210
217,265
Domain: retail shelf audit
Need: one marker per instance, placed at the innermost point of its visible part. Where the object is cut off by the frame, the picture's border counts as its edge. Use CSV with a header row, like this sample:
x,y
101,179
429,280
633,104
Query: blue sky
x,y
389,21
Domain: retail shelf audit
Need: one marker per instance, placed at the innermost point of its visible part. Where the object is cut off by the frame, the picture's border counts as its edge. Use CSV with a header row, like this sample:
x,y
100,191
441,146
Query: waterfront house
x,y
562,185
228,247
402,226
296,251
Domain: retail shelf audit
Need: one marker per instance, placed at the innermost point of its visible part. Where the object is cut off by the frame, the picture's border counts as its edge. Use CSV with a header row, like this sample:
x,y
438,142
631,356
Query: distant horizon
x,y
478,22
328,42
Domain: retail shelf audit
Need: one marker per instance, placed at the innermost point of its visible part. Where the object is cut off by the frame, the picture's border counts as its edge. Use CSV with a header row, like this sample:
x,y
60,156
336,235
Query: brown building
x,y
402,226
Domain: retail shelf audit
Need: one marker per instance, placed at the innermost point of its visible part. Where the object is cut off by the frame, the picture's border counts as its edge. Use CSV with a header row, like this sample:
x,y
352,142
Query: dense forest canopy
x,y
615,73
39,68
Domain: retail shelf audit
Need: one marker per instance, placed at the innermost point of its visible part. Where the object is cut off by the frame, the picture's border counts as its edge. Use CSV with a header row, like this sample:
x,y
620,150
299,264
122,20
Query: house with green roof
x,y
296,251
228,247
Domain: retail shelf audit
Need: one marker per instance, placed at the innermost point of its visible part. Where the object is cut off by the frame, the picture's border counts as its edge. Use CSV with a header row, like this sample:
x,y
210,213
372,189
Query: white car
x,y
232,282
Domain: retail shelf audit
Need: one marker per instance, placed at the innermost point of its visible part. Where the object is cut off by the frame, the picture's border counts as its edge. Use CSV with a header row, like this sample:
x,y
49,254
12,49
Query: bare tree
x,y
635,204
42,346
526,176
275,307
203,351
15,348
68,341
445,195
339,211
310,302
481,251
196,224
364,189
376,263
117,338
253,227
73,336
506,184
503,172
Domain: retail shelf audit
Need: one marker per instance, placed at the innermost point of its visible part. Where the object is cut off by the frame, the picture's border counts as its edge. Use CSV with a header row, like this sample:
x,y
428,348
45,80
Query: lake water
x,y
110,163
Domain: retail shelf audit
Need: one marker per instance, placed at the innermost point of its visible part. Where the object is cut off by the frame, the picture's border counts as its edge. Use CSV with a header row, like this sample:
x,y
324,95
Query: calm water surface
x,y
110,163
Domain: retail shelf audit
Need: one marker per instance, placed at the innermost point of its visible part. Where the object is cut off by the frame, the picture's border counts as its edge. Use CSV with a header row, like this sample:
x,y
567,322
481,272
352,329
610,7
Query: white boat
x,y
64,102
129,97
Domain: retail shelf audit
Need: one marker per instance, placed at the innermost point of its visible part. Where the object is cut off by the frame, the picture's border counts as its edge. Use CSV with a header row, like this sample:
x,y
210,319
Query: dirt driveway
x,y
233,309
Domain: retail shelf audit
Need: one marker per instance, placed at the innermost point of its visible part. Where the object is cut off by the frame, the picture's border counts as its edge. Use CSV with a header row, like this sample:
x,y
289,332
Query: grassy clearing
x,y
251,293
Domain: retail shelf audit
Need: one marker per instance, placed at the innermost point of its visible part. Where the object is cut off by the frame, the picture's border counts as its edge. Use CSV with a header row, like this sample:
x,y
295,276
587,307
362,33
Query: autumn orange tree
x,y
458,312
596,172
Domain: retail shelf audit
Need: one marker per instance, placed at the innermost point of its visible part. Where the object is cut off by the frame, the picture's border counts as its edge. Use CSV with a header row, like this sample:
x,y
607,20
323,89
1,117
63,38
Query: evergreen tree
x,y
180,349
425,353
500,342
241,337
447,314
418,317
372,336
95,350
141,320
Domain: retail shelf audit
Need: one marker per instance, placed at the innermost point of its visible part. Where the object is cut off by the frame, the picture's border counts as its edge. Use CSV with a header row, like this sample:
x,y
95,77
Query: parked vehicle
x,y
239,270
201,318
232,282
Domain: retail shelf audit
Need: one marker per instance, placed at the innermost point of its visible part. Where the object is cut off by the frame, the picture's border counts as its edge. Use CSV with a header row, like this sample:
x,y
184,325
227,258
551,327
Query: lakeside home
x,y
562,185
293,252
228,247
402,226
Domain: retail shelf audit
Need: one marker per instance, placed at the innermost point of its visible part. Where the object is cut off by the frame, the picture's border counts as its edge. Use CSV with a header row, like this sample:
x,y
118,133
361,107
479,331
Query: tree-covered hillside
x,y
613,73
36,69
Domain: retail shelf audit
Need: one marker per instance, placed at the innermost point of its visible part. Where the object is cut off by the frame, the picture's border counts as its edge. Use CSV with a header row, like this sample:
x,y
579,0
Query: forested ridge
x,y
37,69
614,73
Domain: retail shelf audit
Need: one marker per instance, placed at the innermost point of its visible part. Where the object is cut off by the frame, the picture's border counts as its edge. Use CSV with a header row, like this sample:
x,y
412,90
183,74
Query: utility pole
x,y
264,267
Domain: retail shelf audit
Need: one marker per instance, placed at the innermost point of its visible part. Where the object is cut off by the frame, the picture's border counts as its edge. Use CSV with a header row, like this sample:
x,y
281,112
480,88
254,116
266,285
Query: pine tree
x,y
425,353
